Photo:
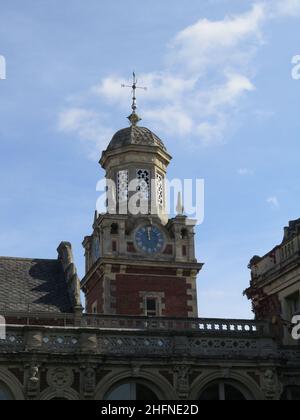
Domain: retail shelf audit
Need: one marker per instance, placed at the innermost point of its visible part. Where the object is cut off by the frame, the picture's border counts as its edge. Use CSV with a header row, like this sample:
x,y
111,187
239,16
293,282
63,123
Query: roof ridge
x,y
28,259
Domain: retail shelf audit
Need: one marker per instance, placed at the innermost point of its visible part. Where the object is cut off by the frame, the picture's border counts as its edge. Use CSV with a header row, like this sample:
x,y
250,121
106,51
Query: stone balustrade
x,y
115,322
127,336
200,325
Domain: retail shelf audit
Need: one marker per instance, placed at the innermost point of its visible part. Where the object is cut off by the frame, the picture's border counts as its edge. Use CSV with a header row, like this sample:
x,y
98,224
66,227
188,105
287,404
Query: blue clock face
x,y
149,239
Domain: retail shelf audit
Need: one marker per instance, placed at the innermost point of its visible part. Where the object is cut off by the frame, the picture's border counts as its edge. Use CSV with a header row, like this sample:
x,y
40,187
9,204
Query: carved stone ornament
x,y
89,381
34,374
33,380
60,378
271,386
182,379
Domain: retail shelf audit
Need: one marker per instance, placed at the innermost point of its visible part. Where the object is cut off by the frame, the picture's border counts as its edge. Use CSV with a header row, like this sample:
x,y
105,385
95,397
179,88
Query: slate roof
x,y
33,285
135,135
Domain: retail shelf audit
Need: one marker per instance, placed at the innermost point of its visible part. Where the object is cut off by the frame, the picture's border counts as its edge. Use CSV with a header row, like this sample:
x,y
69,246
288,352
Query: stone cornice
x,y
107,155
140,263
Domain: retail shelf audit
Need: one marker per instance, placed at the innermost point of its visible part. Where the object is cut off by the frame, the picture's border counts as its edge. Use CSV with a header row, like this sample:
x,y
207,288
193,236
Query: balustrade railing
x,y
208,326
134,323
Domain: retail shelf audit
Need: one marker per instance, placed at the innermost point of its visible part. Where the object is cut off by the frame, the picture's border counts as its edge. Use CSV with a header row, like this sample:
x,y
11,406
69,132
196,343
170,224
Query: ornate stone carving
x,y
33,381
60,378
34,374
271,386
123,180
135,369
88,342
182,380
89,381
134,345
34,340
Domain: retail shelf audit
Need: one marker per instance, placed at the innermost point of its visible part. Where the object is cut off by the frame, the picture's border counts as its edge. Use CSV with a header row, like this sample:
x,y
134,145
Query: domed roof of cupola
x,y
135,135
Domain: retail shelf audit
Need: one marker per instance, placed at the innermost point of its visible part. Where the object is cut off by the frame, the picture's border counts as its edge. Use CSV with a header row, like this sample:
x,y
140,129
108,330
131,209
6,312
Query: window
x,y
5,394
114,230
131,391
95,249
293,305
160,190
143,184
122,185
95,307
114,246
291,393
151,306
184,234
222,391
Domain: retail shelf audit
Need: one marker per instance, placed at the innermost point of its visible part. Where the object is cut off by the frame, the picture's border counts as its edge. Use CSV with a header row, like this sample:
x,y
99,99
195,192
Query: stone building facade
x,y
140,338
275,282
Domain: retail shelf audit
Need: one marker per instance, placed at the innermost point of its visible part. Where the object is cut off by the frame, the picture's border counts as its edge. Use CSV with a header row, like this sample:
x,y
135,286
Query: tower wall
x,y
140,264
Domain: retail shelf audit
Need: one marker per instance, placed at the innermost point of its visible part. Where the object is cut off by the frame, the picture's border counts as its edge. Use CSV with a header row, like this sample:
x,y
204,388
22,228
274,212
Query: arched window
x,y
5,394
291,393
114,230
222,391
184,234
131,391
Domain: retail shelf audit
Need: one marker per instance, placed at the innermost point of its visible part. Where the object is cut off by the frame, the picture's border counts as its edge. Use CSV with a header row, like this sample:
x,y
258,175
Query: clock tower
x,y
138,261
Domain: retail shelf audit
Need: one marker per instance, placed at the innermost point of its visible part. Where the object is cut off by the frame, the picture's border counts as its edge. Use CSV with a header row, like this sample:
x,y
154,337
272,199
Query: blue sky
x,y
220,95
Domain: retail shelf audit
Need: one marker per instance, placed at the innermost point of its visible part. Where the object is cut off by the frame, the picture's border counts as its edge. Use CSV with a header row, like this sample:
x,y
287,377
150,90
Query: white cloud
x,y
273,201
264,114
211,132
164,86
208,43
110,90
287,8
174,105
245,171
199,95
88,126
224,95
172,120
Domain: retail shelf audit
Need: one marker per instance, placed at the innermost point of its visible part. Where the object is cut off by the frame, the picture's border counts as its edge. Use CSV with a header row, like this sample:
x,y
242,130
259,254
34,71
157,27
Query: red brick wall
x,y
94,293
129,286
161,271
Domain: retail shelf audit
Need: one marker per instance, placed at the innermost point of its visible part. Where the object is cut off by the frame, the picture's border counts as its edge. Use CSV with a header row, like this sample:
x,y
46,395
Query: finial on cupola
x,y
134,117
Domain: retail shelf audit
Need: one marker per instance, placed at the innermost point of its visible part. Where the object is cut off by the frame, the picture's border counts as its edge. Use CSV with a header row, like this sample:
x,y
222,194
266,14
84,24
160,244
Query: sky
x,y
220,94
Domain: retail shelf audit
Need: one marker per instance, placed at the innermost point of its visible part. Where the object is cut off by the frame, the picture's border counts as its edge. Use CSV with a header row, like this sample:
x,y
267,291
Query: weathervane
x,y
134,118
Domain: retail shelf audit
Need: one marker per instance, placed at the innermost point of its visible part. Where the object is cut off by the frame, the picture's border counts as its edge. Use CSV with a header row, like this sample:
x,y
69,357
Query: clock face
x,y
149,239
